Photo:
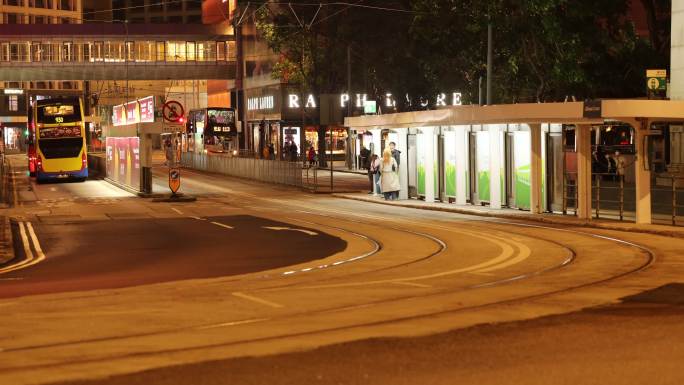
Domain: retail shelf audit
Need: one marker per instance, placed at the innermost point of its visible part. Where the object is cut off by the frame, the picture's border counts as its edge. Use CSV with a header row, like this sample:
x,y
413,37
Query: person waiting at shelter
x,y
389,176
374,175
396,154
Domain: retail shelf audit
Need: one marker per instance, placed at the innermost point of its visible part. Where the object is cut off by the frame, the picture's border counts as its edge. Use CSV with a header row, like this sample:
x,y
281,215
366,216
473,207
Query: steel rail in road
x,y
647,259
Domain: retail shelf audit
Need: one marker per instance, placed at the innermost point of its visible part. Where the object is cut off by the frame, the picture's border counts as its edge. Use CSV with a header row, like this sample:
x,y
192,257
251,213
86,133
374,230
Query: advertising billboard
x,y
450,163
146,109
482,165
123,161
521,168
137,111
421,144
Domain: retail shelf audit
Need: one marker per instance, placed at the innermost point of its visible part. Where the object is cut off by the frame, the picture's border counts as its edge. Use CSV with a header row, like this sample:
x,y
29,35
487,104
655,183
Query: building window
x,y
12,2
12,18
66,5
175,19
221,50
160,51
13,103
40,4
156,20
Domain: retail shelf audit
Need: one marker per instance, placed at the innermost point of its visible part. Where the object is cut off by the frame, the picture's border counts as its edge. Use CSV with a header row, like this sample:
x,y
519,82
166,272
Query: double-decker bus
x,y
57,143
212,129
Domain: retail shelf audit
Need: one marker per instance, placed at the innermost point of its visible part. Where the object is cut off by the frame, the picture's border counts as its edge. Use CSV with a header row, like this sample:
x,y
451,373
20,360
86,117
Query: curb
x,y
6,242
523,217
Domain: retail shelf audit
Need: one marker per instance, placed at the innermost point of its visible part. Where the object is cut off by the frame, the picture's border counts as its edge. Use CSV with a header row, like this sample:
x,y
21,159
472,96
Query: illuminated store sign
x,y
261,103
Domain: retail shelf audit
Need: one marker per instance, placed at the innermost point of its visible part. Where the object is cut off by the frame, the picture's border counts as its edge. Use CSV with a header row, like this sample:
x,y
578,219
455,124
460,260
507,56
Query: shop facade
x,y
282,117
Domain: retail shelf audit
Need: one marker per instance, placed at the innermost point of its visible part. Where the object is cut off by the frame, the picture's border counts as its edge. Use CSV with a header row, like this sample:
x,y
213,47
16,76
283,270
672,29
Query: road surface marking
x,y
11,279
198,218
177,211
222,225
234,323
412,284
523,254
257,300
27,251
36,244
276,228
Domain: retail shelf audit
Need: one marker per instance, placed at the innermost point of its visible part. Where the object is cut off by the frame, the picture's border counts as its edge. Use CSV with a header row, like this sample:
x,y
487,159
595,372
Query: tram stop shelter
x,y
536,153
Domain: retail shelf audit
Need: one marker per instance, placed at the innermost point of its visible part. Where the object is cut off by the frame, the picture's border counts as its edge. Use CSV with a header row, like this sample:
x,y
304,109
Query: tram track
x,y
646,259
649,260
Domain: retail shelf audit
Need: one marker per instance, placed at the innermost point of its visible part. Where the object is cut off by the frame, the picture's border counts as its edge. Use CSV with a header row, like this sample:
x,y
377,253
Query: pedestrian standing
x,y
374,174
293,152
389,176
311,156
396,154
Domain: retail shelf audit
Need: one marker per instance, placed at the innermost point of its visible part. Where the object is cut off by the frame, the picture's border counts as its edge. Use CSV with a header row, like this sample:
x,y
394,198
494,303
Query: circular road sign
x,y
173,111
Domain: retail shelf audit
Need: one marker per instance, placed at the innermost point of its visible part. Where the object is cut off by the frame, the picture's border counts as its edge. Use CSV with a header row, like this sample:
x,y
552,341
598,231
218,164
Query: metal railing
x,y
608,188
570,192
262,170
673,187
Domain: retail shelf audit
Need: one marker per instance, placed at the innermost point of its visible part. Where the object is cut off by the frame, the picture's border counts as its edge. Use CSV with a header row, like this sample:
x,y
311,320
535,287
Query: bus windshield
x,y
59,113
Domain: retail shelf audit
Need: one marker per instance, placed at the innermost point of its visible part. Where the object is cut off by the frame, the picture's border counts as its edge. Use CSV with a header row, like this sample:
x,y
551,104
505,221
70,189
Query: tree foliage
x,y
545,50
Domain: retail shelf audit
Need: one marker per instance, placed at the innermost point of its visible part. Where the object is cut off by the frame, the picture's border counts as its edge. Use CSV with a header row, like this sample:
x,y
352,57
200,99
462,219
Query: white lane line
x,y
11,279
222,225
523,254
276,228
257,300
177,211
412,284
27,251
234,323
198,218
36,244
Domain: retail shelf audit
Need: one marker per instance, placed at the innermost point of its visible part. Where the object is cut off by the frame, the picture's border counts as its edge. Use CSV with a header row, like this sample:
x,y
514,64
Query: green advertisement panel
x,y
421,150
521,165
450,163
482,165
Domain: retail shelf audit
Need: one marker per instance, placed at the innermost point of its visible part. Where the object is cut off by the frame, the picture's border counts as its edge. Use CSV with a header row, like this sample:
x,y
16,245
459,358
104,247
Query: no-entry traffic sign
x,y
173,111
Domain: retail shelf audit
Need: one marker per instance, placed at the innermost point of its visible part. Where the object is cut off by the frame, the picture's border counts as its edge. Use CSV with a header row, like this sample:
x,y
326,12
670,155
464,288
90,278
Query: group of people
x,y
606,163
383,173
290,151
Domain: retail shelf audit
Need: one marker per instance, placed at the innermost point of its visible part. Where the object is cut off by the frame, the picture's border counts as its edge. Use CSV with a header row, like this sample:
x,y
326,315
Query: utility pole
x,y
490,59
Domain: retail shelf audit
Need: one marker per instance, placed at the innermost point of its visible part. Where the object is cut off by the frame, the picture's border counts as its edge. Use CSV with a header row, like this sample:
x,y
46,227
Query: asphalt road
x,y
90,255
637,342
258,284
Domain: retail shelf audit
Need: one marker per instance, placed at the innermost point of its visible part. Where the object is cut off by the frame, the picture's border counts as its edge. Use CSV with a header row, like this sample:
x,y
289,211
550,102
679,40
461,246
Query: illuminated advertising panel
x,y
118,115
147,109
521,165
123,160
137,111
482,165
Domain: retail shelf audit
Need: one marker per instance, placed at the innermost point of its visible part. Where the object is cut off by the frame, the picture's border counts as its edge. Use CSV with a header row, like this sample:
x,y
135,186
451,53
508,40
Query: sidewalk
x,y
6,242
558,219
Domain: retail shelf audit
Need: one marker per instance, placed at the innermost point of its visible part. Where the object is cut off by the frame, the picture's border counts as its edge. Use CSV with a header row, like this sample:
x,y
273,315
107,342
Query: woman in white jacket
x,y
389,178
